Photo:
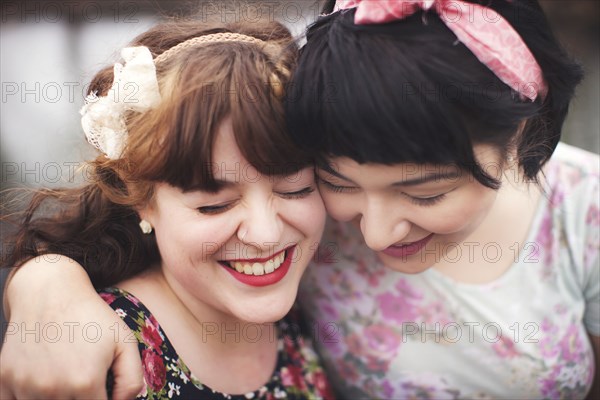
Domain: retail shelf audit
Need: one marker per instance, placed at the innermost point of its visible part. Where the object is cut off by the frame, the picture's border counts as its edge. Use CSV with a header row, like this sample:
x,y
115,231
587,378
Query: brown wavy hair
x,y
97,224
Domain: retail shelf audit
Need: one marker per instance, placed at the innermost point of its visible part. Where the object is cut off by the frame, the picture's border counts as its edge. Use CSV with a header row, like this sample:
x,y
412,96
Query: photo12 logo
x,y
53,332
69,11
454,332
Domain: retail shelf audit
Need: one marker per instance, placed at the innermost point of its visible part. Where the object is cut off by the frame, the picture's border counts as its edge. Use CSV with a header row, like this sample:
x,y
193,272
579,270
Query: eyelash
x,y
212,210
299,194
218,209
426,201
336,188
420,201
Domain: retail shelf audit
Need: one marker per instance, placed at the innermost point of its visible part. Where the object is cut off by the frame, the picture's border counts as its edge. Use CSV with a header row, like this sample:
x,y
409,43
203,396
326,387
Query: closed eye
x,y
426,201
216,209
298,194
336,188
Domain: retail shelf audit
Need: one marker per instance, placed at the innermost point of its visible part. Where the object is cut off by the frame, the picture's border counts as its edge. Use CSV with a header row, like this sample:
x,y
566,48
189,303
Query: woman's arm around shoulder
x,y
61,337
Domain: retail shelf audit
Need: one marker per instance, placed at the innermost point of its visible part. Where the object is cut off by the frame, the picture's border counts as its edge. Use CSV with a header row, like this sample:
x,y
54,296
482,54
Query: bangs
x,y
362,121
406,109
238,87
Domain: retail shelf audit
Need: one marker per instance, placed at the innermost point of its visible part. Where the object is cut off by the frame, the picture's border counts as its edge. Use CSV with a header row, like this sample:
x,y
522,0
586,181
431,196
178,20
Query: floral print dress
x,y
388,335
298,374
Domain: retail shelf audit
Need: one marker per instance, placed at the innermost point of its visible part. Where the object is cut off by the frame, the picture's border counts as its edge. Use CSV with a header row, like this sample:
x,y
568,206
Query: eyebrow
x,y
427,179
220,185
409,182
327,168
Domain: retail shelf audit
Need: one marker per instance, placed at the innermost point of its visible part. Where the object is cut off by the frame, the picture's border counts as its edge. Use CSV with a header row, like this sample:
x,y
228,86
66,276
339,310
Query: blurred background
x,y
49,50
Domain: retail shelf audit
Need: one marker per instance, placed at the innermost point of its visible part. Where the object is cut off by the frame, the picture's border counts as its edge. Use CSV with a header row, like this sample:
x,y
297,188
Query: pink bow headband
x,y
489,36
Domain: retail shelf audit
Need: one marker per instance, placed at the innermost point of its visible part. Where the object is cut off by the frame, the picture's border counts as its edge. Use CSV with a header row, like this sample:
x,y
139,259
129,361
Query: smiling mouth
x,y
407,249
415,243
257,267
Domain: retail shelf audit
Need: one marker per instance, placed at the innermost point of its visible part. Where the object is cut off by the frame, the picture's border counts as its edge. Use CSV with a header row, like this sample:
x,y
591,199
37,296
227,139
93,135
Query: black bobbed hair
x,y
409,91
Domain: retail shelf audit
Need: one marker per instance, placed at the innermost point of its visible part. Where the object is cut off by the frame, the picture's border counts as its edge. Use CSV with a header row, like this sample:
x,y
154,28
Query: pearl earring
x,y
146,227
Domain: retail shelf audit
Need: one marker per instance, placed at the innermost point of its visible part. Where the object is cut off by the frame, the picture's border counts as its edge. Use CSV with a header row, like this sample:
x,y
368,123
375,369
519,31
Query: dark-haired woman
x,y
468,244
465,260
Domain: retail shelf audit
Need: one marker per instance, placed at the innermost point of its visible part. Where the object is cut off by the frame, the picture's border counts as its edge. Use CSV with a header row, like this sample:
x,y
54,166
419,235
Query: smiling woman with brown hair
x,y
200,213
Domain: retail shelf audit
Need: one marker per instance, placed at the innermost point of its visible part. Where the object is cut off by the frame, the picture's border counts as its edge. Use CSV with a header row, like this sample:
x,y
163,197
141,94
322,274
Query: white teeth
x,y
269,267
259,268
239,267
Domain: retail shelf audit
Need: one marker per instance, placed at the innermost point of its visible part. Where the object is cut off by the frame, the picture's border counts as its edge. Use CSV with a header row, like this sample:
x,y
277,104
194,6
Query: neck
x,y
219,328
213,344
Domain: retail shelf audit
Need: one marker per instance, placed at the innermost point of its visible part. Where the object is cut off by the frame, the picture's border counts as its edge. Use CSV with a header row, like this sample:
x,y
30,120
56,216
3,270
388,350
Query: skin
x,y
401,204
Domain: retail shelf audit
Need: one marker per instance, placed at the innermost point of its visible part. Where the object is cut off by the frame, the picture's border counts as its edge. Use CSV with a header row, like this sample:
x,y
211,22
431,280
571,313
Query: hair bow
x,y
134,87
490,37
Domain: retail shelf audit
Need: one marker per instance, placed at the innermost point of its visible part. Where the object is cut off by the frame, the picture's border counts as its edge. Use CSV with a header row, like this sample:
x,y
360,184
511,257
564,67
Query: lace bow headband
x,y
135,88
489,36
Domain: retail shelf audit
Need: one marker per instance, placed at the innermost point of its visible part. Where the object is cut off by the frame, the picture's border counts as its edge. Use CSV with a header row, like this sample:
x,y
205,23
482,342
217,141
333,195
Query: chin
x,y
406,267
265,312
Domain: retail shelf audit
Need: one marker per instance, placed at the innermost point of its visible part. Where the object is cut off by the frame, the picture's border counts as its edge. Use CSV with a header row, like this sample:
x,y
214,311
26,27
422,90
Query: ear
x,y
146,212
146,220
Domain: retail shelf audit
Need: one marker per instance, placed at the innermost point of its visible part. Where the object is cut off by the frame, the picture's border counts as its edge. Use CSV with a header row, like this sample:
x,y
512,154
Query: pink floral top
x,y
388,335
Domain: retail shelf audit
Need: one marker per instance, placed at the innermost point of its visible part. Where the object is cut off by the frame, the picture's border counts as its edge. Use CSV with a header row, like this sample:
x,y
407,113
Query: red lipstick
x,y
267,279
259,260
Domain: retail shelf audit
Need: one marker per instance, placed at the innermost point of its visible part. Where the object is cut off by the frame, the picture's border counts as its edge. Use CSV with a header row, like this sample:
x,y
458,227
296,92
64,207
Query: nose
x,y
382,227
262,226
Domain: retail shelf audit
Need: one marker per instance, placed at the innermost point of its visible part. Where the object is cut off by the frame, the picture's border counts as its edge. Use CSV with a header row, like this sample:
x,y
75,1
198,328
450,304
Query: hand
x,y
62,338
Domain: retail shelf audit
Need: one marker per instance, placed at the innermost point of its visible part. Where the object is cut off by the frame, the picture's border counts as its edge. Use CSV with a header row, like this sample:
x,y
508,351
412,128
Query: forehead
x,y
227,159
383,174
225,147
376,174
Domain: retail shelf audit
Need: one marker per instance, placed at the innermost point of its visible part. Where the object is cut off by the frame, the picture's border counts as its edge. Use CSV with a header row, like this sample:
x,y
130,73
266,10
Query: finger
x,y
127,371
5,392
7,385
88,388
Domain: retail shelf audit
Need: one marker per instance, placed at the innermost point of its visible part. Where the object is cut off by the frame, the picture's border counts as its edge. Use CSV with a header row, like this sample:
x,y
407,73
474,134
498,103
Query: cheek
x,y
189,238
307,216
340,208
461,213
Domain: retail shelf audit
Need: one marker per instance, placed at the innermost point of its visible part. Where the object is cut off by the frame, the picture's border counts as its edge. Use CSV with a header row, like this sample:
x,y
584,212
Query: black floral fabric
x,y
298,374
